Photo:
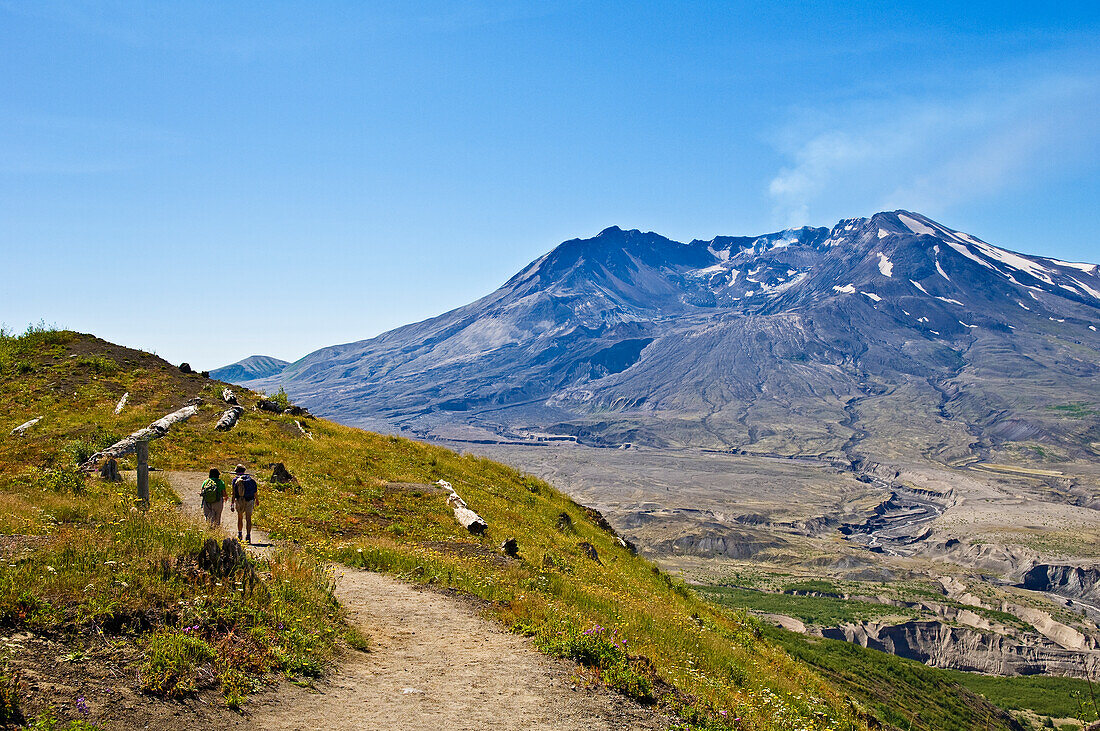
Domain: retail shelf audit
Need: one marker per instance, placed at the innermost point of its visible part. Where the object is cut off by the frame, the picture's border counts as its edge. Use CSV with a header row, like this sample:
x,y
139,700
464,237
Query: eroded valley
x,y
992,566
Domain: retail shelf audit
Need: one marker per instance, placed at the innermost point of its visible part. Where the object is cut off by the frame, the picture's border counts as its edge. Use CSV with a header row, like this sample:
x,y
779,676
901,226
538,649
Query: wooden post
x,y
143,472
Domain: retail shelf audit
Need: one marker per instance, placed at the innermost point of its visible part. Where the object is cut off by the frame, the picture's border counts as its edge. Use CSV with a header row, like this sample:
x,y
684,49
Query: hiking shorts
x,y
245,507
213,512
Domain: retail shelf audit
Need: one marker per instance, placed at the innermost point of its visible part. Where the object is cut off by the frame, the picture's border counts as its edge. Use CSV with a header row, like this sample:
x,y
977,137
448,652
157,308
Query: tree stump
x,y
229,397
510,547
109,471
589,550
280,475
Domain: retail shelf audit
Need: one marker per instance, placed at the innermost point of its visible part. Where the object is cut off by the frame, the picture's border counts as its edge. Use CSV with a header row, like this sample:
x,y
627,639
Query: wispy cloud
x,y
932,152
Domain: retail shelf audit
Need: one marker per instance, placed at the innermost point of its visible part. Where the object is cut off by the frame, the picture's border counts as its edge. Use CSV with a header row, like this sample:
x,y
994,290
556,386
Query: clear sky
x,y
209,180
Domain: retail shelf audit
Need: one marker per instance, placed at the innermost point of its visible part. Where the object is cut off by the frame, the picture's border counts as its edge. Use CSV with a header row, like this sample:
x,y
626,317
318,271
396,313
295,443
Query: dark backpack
x,y
247,487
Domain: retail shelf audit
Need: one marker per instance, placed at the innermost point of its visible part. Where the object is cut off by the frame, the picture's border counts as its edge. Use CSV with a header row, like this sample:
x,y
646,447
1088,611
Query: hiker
x,y
244,501
213,498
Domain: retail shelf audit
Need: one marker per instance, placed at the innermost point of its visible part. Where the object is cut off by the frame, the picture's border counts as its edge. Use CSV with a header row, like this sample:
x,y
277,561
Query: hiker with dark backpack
x,y
244,501
213,498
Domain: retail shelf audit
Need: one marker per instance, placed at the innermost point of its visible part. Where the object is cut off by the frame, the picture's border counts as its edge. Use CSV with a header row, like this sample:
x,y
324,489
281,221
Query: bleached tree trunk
x,y
122,403
22,428
303,429
467,518
229,397
156,430
229,419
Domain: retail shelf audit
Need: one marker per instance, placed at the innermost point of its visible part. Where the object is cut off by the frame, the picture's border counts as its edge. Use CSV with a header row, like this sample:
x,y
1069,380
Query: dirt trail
x,y
435,663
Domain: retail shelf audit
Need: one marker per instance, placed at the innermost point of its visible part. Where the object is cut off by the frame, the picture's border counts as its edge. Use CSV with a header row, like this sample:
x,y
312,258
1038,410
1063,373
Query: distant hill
x,y
250,369
891,336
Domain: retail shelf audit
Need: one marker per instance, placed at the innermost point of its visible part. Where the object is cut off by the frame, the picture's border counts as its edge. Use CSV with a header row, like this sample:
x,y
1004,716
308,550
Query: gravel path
x,y
435,663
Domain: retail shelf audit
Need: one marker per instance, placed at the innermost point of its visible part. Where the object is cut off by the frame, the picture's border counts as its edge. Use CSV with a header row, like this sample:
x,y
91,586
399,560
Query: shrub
x,y
60,480
81,450
235,687
9,698
281,399
172,659
97,364
603,649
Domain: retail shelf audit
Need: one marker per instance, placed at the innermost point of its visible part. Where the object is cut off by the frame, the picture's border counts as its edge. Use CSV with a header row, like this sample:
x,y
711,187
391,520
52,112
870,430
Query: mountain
x,y
250,369
889,336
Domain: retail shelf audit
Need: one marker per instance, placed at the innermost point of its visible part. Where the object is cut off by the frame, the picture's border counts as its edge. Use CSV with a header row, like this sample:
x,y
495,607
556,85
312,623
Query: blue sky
x,y
212,180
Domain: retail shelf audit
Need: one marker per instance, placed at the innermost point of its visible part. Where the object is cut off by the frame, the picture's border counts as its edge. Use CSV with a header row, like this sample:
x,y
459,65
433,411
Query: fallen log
x,y
467,518
22,428
229,397
303,429
122,403
268,405
156,430
229,419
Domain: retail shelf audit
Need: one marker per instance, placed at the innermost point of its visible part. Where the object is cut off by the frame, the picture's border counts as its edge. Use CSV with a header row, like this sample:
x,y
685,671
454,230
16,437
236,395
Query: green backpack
x,y
210,491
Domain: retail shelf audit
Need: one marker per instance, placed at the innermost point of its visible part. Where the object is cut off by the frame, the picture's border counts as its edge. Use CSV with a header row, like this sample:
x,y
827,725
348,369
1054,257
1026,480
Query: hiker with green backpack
x,y
213,498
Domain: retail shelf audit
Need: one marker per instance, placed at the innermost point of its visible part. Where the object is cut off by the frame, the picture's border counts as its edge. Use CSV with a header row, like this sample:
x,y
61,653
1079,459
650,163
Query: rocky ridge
x,y
807,341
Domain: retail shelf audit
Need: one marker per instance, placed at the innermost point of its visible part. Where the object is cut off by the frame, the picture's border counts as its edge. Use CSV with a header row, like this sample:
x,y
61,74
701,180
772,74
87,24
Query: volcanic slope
x,y
885,337
135,599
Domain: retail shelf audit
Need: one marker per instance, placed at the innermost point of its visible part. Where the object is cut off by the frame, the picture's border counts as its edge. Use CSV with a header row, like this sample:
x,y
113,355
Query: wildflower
x,y
51,569
82,706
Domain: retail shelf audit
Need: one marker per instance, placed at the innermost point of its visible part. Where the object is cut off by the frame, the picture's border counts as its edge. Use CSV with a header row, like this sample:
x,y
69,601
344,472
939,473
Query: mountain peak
x,y
252,368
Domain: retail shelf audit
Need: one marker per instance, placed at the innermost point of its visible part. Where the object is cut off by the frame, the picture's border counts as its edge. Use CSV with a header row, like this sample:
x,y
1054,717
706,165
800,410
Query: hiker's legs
x,y
245,508
240,518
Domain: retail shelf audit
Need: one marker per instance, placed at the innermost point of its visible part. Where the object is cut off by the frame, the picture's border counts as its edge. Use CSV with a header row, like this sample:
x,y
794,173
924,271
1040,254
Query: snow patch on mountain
x,y
1087,288
885,265
1086,268
916,226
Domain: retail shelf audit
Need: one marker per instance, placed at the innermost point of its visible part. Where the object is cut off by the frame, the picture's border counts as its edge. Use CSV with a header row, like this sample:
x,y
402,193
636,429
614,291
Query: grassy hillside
x,y
358,502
